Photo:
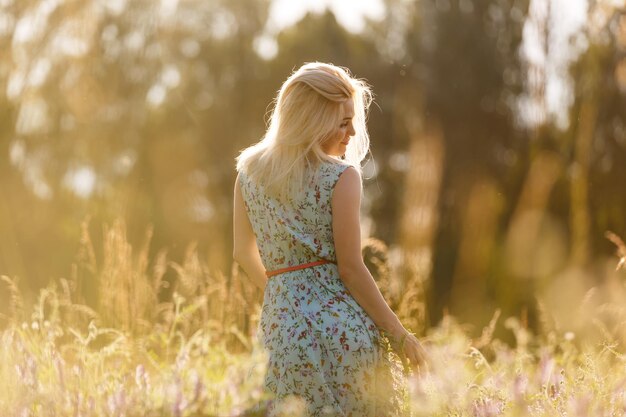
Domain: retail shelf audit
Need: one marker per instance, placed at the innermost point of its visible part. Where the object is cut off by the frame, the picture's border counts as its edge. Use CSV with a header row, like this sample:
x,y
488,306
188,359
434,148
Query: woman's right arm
x,y
346,202
245,249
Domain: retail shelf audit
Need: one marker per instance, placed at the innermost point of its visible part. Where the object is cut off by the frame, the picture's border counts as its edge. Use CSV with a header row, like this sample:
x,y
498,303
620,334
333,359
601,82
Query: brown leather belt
x,y
296,267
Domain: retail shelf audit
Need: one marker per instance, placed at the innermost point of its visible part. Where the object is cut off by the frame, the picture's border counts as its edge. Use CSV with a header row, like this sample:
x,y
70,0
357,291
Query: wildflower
x,y
91,404
140,374
520,384
31,372
487,407
546,367
179,404
111,405
120,399
58,365
580,405
198,386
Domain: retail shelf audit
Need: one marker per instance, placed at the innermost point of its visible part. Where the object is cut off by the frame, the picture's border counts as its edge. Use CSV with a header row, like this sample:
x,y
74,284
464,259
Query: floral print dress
x,y
325,353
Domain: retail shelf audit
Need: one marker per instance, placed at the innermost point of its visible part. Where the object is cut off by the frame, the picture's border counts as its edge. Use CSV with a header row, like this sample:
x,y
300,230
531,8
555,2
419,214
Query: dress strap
x,y
296,267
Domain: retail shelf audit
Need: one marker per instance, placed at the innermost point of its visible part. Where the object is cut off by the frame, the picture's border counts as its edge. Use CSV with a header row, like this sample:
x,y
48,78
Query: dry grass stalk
x,y
547,322
487,334
126,294
16,303
621,249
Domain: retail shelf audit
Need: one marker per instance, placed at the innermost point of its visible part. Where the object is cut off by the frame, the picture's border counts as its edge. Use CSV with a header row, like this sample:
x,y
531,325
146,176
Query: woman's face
x,y
336,144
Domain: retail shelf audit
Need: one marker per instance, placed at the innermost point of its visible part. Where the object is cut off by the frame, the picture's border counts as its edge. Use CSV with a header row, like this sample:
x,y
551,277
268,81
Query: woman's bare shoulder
x,y
349,181
348,173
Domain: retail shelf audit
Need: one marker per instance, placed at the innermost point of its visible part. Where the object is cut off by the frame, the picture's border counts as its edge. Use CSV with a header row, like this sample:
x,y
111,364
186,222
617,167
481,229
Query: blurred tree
x,y
598,132
588,151
121,109
466,61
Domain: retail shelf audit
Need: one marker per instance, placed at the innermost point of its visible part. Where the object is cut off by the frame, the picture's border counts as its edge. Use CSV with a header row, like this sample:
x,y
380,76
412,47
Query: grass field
x,y
132,354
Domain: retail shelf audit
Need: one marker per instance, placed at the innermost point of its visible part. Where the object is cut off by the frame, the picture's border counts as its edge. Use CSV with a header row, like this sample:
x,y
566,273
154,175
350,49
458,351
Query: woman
x,y
297,236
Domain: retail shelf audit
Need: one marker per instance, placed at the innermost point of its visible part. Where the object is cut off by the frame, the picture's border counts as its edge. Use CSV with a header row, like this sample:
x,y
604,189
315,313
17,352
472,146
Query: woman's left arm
x,y
245,250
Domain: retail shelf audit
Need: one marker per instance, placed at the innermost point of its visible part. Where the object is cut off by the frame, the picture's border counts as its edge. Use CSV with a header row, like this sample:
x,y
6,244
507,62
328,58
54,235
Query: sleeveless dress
x,y
325,352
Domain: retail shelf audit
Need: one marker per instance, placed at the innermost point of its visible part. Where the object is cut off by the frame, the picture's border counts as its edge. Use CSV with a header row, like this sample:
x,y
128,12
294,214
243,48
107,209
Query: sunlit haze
x,y
350,13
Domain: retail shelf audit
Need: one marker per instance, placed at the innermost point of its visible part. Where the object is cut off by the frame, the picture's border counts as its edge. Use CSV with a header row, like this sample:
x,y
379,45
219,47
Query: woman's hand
x,y
410,350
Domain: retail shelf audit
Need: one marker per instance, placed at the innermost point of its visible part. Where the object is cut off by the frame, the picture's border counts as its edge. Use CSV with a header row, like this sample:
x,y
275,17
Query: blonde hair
x,y
307,112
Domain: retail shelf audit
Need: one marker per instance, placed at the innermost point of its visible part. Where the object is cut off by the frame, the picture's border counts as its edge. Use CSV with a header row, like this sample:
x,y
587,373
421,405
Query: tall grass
x,y
140,350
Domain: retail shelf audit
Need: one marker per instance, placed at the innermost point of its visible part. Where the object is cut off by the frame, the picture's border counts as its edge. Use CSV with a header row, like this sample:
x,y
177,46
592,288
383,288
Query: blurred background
x,y
498,139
